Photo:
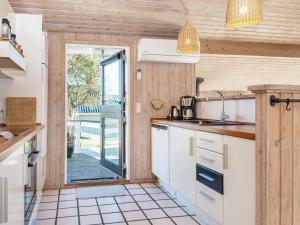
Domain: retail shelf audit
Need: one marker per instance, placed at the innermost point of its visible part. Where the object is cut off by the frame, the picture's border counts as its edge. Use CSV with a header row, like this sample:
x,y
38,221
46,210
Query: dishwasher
x,y
160,152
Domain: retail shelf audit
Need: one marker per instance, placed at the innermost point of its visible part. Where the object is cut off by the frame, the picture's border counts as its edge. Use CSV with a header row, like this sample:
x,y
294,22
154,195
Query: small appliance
x,y
174,113
187,106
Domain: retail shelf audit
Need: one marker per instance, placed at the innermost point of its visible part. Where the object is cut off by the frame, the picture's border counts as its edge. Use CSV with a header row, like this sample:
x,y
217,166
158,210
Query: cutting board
x,y
20,111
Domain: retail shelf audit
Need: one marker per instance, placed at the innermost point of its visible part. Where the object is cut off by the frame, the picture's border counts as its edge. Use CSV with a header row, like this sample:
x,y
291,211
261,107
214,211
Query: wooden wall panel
x,y
159,80
296,162
277,157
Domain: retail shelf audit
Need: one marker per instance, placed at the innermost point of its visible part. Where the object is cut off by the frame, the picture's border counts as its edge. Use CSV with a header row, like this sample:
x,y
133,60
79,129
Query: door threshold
x,y
97,183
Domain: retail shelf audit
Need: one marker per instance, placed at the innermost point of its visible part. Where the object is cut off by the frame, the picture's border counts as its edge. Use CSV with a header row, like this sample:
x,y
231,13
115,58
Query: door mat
x,y
102,191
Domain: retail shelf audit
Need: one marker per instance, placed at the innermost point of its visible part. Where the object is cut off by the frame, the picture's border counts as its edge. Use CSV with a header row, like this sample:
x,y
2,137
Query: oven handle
x,y
33,153
32,164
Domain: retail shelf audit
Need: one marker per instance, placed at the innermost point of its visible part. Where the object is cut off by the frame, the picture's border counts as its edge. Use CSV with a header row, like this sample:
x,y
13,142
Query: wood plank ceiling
x,y
163,18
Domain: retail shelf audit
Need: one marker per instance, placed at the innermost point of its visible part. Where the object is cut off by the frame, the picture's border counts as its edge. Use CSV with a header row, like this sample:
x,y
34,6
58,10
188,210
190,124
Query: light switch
x,y
138,107
139,74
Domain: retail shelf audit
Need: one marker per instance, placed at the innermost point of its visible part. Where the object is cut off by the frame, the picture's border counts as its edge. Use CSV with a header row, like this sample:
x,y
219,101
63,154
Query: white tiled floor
x,y
145,204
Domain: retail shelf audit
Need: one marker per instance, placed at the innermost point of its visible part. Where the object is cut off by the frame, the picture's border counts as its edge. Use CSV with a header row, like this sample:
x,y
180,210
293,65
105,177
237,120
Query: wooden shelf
x,y
12,63
234,97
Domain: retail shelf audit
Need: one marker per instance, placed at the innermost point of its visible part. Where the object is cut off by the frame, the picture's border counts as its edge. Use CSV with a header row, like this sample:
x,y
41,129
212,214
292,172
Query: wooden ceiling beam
x,y
249,49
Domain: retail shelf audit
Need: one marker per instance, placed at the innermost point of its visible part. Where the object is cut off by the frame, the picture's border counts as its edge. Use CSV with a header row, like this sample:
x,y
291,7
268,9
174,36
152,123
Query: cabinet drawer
x,y
210,178
209,159
210,202
209,141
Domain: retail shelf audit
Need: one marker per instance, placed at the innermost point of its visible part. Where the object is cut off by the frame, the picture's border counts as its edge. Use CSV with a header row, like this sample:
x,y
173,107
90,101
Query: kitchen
x,y
174,171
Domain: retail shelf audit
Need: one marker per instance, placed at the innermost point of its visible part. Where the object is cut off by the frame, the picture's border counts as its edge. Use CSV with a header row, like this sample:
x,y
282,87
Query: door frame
x,y
120,112
109,45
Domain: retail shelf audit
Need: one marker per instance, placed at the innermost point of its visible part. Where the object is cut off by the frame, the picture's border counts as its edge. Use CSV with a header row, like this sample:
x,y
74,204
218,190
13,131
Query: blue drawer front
x,y
210,178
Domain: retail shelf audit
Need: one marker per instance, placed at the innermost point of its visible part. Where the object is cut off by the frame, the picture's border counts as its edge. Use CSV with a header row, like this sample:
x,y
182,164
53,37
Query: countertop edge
x,y
211,129
18,141
233,97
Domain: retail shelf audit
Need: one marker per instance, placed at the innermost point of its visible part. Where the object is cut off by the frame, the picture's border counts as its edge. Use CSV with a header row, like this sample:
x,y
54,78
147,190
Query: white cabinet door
x,y
12,170
239,181
160,153
183,162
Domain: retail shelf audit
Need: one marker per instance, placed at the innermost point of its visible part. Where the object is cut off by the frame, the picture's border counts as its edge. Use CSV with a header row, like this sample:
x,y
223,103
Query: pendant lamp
x,y
243,13
188,39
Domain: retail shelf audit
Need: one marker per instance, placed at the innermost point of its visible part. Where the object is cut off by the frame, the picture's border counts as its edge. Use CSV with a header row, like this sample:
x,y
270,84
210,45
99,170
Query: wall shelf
x,y
12,63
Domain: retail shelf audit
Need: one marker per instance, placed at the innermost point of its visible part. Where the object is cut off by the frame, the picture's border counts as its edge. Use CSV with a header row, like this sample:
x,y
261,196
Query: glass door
x,y
113,113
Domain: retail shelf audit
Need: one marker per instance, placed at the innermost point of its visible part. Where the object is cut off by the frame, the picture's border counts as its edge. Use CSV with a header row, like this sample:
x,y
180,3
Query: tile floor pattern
x,y
143,205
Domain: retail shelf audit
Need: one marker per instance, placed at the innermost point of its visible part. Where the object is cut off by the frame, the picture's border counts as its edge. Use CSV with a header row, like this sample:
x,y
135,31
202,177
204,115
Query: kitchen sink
x,y
212,122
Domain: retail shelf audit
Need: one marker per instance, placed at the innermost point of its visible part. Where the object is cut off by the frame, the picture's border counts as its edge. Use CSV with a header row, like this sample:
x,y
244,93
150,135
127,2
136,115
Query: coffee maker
x,y
187,106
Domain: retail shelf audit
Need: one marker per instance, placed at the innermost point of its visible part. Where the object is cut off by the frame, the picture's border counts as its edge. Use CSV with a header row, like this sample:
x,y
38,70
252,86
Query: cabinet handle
x,y
207,140
192,144
210,179
207,196
207,159
3,200
225,156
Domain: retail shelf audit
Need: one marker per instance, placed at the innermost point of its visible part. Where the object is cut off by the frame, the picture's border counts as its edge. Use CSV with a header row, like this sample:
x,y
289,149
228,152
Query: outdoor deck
x,y
85,168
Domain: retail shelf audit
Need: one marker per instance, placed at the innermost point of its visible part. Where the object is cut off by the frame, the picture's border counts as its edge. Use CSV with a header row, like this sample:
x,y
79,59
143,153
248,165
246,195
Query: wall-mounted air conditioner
x,y
163,50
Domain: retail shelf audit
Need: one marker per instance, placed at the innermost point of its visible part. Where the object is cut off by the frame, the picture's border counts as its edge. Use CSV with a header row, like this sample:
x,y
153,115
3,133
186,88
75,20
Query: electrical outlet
x,y
138,108
139,74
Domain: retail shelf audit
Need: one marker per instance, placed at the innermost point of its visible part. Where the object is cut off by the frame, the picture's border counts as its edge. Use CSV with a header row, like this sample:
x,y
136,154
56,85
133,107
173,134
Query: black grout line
x,y
77,201
102,221
120,210
181,208
57,207
138,207
170,197
163,209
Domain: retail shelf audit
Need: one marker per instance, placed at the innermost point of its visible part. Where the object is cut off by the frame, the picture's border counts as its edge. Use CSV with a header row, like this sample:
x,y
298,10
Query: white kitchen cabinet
x,y
160,152
12,179
239,181
183,162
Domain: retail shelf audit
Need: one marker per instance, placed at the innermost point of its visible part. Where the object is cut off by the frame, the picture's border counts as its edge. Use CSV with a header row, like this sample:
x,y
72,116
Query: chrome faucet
x,y
224,116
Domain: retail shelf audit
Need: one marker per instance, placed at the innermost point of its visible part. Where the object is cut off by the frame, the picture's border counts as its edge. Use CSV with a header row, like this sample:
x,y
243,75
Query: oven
x,y
30,197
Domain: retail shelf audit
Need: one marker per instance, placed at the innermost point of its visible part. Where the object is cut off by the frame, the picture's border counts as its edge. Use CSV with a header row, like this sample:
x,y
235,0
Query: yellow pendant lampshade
x,y
188,40
243,13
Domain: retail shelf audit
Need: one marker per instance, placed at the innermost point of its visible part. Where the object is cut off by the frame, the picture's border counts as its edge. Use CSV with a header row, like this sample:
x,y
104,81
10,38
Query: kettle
x,y
174,113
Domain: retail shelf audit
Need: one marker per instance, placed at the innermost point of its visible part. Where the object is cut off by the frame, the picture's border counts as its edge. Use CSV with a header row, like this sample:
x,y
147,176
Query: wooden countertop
x,y
7,147
240,131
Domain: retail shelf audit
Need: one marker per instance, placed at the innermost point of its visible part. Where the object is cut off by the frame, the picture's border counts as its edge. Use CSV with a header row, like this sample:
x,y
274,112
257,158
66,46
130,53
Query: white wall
x,y
29,34
239,110
236,73
6,11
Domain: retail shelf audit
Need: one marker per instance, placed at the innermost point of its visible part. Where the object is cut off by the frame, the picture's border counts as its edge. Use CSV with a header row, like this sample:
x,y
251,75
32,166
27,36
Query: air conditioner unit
x,y
163,50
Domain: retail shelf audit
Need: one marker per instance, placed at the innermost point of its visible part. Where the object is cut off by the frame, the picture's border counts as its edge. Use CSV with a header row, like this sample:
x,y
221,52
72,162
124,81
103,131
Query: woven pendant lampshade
x,y
243,13
188,40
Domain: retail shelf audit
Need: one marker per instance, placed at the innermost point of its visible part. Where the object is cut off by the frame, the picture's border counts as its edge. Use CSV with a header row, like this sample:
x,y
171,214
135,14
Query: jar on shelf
x,y
6,29
13,38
